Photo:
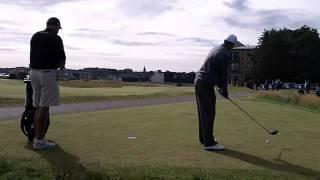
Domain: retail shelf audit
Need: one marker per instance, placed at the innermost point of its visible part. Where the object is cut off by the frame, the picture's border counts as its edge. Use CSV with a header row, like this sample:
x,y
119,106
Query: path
x,y
15,112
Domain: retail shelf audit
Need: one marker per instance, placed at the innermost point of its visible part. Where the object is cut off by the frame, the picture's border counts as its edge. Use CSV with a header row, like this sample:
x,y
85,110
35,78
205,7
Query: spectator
x,y
266,85
300,90
273,85
307,86
317,92
46,56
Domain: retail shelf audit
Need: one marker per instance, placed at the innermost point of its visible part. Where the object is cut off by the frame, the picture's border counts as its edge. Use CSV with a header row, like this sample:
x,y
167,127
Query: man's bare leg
x,y
35,119
41,120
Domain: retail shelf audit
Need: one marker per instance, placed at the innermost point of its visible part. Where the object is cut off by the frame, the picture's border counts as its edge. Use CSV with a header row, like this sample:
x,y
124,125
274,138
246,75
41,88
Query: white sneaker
x,y
216,147
42,144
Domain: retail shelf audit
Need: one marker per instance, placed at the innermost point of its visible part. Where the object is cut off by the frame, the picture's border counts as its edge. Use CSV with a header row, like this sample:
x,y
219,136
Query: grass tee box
x,y
166,145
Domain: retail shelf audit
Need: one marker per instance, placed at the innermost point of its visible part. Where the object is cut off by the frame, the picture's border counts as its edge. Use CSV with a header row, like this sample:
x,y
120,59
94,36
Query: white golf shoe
x,y
216,147
43,144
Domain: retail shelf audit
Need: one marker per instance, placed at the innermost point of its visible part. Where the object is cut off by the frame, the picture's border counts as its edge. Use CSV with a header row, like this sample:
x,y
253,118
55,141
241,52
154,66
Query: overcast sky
x,y
173,35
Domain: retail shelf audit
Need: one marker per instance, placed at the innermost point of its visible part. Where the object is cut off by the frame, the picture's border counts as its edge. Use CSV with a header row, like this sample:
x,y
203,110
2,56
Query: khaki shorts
x,y
45,87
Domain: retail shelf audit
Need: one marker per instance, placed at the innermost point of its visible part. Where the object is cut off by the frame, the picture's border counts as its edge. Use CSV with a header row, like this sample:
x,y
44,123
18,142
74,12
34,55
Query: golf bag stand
x,y
27,119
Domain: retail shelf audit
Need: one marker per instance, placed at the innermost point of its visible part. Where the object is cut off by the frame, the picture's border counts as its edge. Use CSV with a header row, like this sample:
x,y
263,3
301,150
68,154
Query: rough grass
x,y
307,101
6,101
95,145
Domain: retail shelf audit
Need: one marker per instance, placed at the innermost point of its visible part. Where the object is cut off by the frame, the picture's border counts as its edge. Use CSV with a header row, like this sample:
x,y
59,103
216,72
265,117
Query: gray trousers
x,y
206,103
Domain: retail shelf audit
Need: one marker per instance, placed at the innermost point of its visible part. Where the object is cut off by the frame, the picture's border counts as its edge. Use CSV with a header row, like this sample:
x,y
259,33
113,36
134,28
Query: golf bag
x,y
27,119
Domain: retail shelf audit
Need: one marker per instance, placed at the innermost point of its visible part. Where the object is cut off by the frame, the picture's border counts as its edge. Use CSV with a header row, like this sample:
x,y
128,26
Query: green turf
x,y
166,146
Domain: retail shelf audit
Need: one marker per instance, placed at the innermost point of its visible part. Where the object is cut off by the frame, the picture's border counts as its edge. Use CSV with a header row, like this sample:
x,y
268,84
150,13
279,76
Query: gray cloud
x,y
7,22
9,37
72,47
34,3
285,17
156,34
7,49
235,22
101,34
240,5
20,34
248,18
4,28
313,22
91,30
271,18
146,7
133,43
88,35
108,54
201,41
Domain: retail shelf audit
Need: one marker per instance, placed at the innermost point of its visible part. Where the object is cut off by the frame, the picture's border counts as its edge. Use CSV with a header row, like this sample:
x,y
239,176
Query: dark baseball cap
x,y
53,21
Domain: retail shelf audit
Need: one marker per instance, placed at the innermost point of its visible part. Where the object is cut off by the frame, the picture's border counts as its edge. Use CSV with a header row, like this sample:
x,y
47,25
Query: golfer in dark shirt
x,y
213,72
46,56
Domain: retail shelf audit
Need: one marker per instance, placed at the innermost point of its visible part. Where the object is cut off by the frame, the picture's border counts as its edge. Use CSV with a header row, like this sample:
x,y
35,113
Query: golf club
x,y
272,132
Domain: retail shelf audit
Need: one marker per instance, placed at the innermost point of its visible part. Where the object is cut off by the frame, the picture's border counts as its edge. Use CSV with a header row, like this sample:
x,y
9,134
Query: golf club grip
x,y
248,115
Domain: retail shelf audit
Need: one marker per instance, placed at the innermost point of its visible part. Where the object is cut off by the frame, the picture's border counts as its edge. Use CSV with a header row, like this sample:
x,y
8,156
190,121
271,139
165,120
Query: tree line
x,y
289,55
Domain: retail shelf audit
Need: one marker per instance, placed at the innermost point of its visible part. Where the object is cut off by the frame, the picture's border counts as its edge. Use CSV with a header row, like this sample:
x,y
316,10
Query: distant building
x,y
157,77
18,73
240,63
69,74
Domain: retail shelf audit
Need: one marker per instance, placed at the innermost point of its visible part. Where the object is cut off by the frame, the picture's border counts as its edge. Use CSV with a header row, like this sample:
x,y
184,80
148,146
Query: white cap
x,y
232,38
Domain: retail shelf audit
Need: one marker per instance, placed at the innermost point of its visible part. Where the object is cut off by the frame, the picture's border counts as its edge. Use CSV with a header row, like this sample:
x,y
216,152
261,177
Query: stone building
x,y
240,63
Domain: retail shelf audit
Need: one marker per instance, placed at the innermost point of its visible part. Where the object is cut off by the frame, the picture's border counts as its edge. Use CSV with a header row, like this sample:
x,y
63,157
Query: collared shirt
x,y
215,68
47,51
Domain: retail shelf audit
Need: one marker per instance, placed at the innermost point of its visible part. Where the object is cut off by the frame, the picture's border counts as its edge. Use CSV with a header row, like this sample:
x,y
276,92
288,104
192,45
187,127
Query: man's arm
x,y
32,44
61,54
222,67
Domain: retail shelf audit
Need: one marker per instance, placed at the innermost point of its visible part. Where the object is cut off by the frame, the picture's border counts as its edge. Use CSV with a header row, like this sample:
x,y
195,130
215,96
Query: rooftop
x,y
245,47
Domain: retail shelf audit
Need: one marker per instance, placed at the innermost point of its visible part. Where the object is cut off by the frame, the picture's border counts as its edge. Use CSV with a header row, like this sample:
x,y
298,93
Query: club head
x,y
273,132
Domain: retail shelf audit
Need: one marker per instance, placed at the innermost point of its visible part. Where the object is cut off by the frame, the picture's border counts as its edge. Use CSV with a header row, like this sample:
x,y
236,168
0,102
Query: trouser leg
x,y
199,121
206,101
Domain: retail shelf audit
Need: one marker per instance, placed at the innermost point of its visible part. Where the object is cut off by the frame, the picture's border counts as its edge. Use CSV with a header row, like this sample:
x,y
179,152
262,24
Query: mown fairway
x,y
12,91
15,89
96,145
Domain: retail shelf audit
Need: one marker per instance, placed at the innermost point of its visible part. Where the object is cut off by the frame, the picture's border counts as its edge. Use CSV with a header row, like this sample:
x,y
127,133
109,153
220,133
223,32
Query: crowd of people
x,y
277,84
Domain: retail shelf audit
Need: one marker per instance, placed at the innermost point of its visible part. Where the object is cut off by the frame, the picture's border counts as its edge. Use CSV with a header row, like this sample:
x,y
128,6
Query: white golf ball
x,y
267,141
